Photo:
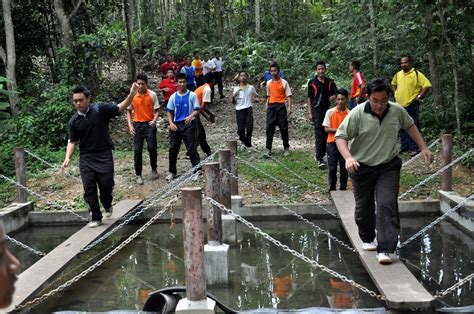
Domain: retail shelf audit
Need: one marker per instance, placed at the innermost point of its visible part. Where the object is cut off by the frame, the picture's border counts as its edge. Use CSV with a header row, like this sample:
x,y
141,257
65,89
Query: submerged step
x,y
400,287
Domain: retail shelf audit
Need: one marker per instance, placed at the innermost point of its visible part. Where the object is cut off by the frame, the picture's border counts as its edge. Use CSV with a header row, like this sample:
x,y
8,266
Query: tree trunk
x,y
131,60
10,55
257,18
274,16
230,11
452,54
219,17
435,76
139,20
66,30
373,31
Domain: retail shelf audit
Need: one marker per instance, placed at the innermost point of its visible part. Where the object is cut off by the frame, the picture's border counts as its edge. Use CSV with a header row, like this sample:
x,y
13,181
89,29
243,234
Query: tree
x,y
131,60
257,18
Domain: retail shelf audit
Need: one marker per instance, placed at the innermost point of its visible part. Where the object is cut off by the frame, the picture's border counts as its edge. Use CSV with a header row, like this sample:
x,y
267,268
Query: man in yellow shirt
x,y
409,86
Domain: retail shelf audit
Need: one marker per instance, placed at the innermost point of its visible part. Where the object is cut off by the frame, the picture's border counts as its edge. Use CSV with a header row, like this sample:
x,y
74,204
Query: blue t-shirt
x,y
189,71
267,76
182,105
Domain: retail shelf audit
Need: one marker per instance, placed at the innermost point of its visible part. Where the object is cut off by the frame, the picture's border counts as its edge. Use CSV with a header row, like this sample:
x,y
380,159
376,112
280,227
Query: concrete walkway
x,y
402,290
35,278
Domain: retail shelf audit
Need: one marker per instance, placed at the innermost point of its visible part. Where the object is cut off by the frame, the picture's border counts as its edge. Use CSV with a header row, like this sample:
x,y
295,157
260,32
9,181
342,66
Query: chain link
x,y
434,222
418,155
23,245
454,287
41,197
56,167
423,182
295,253
84,273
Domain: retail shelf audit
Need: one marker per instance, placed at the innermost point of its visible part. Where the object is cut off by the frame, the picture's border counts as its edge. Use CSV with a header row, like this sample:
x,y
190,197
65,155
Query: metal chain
x,y
437,173
50,164
41,197
23,245
300,217
454,287
295,253
434,222
406,163
84,273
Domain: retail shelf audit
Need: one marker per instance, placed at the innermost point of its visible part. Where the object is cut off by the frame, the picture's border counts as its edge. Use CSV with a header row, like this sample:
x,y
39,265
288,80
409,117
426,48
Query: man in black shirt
x,y
321,90
89,127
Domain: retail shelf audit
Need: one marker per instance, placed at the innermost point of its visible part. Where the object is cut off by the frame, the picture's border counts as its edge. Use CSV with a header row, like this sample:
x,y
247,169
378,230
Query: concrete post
x,y
214,221
446,158
224,163
234,183
20,170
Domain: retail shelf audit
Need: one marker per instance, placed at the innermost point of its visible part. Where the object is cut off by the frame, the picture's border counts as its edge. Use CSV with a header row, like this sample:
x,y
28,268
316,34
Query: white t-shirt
x,y
244,97
208,66
206,94
218,64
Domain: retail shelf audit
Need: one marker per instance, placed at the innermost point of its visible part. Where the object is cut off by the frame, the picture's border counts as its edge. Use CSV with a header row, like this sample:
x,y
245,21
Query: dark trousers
x,y
143,131
199,80
245,125
97,170
219,82
201,137
186,133
320,136
277,116
334,158
407,143
191,87
378,184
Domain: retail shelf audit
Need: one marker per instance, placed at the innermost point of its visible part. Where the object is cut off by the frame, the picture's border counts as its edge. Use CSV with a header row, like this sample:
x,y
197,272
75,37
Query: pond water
x,y
261,274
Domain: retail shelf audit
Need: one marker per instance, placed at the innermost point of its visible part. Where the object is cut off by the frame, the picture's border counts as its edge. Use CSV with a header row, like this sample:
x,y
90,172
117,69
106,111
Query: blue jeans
x,y
407,143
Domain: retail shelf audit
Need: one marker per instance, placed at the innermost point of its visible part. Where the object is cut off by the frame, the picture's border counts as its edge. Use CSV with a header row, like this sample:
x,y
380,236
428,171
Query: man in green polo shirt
x,y
374,166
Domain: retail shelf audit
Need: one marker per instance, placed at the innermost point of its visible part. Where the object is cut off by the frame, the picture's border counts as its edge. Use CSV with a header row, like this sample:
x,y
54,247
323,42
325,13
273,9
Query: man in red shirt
x,y
358,85
168,65
168,86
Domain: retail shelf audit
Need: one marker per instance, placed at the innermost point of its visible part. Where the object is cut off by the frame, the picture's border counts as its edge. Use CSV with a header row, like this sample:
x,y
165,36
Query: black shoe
x,y
222,96
321,164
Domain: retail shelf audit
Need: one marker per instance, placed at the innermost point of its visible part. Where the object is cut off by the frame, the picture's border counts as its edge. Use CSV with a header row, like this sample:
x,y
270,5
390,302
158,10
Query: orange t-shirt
x,y
278,91
333,119
144,106
200,94
197,64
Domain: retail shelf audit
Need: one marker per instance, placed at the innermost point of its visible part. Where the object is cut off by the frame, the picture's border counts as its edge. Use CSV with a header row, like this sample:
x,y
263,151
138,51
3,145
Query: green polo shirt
x,y
373,140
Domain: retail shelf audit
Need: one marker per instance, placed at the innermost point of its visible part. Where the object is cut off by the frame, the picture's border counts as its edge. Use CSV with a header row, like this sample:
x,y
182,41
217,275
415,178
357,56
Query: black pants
x,y
97,169
245,125
201,137
219,82
199,80
407,143
334,158
144,131
186,133
320,136
381,182
277,116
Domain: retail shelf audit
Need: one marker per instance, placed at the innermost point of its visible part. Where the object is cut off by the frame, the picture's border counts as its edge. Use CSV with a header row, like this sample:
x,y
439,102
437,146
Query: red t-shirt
x,y
171,84
168,65
358,80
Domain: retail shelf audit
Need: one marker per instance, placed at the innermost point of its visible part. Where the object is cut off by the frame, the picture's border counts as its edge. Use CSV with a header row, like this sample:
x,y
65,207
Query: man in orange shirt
x,y
332,121
145,107
203,94
198,69
278,90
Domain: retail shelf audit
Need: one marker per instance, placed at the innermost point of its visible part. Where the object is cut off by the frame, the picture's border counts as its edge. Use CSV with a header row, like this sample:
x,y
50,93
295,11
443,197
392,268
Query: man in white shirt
x,y
207,64
218,74
243,97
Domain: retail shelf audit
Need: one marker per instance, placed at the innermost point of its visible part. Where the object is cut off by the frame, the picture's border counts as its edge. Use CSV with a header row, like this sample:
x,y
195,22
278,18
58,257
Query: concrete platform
x,y
400,287
35,278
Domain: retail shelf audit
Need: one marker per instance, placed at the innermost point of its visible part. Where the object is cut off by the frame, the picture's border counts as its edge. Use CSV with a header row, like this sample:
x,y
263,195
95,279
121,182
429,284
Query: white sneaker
x,y
139,180
108,212
369,246
170,177
94,224
154,175
286,153
384,258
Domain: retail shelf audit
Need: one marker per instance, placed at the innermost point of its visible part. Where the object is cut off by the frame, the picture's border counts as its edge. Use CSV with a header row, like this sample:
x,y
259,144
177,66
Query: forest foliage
x,y
64,42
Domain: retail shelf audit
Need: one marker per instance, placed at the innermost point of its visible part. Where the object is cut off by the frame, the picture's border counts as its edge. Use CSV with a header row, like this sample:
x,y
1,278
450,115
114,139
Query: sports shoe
x,y
154,175
195,177
267,154
187,157
321,164
139,180
108,212
286,153
384,258
95,223
222,96
170,177
243,147
369,246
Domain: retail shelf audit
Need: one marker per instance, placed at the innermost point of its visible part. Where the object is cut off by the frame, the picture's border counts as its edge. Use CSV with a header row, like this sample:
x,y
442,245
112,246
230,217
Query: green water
x,y
261,274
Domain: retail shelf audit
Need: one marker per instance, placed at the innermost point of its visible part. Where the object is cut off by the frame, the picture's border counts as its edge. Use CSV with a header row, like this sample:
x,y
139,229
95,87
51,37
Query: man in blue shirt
x,y
182,108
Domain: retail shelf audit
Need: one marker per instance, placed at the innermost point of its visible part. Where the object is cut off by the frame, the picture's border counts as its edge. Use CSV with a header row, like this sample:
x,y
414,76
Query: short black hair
x,y
143,77
405,56
355,64
343,92
217,52
378,85
180,76
320,62
209,77
243,71
195,51
169,69
81,89
275,65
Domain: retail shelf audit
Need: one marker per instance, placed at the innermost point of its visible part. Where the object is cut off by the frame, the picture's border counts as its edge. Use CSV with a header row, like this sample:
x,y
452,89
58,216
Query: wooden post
x,y
224,163
214,221
234,183
20,170
193,238
446,158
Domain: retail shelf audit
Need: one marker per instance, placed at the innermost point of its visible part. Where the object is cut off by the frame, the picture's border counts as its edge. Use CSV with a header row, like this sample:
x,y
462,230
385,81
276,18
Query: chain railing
x,y
455,286
437,220
51,165
84,273
284,247
43,198
423,182
406,163
24,246
300,217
